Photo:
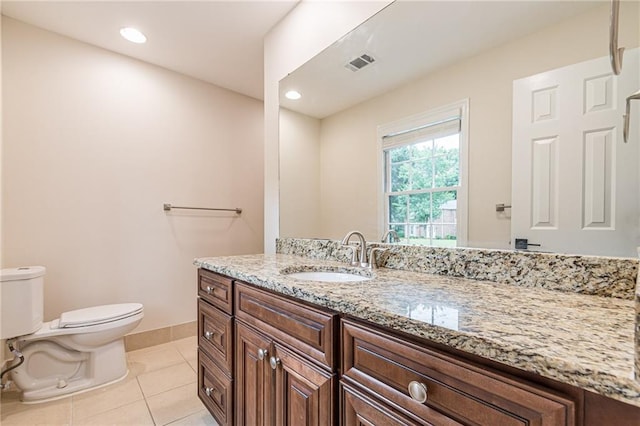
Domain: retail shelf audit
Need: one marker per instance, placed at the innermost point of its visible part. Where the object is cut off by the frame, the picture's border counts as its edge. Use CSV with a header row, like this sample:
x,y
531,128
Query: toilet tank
x,y
21,295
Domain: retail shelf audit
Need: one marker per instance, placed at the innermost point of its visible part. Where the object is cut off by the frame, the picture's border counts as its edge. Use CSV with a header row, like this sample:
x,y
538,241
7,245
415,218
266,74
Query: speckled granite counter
x,y
583,340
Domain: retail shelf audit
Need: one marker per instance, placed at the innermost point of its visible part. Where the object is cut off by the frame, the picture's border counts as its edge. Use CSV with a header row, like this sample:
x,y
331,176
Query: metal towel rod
x,y
167,207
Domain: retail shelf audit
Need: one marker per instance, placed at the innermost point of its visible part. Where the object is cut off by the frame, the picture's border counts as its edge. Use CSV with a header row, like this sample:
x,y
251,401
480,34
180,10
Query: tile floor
x,y
159,390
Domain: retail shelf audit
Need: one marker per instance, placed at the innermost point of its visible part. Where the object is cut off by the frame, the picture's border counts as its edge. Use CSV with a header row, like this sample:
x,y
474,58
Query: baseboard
x,y
159,336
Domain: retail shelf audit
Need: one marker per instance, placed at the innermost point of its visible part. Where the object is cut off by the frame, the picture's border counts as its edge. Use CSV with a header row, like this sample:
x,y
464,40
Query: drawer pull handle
x,y
274,362
208,335
418,391
208,391
262,354
209,289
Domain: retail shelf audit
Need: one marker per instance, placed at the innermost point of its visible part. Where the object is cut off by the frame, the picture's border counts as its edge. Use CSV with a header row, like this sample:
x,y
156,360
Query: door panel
x,y
304,393
574,181
254,378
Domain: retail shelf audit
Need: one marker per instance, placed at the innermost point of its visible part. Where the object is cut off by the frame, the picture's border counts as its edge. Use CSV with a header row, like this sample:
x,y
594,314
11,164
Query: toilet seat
x,y
97,315
88,320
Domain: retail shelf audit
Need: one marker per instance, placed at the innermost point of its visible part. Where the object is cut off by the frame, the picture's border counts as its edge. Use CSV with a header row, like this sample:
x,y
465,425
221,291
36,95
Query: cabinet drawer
x,y
216,289
215,335
360,409
385,365
307,329
215,390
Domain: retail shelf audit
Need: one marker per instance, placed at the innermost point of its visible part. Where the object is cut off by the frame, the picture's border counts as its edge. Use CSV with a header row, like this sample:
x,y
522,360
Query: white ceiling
x,y
220,42
409,39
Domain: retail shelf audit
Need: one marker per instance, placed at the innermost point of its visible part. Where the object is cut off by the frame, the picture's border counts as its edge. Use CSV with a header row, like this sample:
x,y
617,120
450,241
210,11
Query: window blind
x,y
432,130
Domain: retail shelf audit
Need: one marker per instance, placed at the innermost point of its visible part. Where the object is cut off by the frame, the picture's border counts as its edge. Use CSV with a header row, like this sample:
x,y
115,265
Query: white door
x,y
574,181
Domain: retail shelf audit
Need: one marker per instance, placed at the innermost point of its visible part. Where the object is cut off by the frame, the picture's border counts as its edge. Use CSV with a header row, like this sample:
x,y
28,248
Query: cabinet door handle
x,y
208,335
418,391
209,289
274,362
208,391
262,354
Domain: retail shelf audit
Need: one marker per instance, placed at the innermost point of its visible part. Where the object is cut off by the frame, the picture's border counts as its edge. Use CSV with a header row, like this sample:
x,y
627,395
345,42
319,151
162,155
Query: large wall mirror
x,y
416,57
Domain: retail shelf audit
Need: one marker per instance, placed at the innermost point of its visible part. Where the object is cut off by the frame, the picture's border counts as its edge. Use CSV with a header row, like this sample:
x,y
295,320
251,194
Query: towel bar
x,y
168,207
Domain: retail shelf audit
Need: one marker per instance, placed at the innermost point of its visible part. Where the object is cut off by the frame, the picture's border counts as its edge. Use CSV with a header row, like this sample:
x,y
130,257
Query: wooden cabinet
x,y
283,377
215,343
273,363
434,388
265,359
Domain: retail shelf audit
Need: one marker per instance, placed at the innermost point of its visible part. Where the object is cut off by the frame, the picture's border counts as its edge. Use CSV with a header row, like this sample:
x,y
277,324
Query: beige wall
x,y
299,175
349,152
302,34
94,144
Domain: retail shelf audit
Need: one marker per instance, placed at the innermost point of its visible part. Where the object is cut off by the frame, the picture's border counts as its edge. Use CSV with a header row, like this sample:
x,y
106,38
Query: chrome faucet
x,y
391,236
357,252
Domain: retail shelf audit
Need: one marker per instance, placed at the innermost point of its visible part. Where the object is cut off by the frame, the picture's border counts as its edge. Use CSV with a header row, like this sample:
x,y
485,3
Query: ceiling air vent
x,y
360,62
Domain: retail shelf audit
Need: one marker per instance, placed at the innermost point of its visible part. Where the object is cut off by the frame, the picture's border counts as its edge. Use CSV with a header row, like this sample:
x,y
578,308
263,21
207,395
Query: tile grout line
x,y
146,403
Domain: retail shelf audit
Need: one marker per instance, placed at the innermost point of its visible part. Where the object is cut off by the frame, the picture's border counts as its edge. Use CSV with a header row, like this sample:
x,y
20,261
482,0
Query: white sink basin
x,y
331,277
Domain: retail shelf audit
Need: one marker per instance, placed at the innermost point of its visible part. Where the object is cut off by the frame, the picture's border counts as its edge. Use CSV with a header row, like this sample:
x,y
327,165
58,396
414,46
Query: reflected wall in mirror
x,y
330,171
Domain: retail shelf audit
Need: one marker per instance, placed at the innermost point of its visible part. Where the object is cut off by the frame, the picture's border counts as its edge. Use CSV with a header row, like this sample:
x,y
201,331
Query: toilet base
x,y
37,397
52,370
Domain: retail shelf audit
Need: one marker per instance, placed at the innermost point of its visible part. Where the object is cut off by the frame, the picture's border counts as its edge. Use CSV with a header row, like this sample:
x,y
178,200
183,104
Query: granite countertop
x,y
586,341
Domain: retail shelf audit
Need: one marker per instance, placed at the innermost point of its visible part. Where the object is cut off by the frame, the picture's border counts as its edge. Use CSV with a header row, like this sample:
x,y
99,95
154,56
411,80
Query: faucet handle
x,y
373,258
354,253
390,236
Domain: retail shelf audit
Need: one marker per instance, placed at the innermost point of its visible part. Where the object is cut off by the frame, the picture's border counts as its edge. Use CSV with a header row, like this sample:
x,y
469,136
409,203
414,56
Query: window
x,y
424,162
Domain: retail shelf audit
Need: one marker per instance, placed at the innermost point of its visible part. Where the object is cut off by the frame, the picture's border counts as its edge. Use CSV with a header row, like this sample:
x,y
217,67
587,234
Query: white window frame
x,y
460,108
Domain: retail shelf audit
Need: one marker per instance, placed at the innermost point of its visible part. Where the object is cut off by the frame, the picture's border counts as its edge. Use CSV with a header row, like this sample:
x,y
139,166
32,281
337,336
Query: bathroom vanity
x,y
407,348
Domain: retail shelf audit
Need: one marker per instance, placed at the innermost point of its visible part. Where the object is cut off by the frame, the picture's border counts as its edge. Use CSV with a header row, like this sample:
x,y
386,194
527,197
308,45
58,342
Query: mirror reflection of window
x,y
442,316
423,177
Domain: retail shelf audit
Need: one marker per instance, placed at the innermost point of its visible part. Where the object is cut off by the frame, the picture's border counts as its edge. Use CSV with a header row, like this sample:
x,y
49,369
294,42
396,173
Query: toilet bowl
x,y
80,351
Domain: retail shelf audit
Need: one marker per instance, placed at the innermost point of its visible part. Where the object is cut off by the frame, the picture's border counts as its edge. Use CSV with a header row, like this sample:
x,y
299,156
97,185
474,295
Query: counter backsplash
x,y
594,275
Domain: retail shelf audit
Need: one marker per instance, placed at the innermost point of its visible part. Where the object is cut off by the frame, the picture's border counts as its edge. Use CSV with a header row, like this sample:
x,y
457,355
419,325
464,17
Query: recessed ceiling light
x,y
133,35
293,95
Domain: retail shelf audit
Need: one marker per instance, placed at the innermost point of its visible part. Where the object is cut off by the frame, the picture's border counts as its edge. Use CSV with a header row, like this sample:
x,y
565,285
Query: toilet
x,y
80,351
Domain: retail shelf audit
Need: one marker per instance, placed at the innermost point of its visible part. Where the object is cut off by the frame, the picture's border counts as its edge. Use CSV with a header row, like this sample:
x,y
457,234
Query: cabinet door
x,y
254,378
304,393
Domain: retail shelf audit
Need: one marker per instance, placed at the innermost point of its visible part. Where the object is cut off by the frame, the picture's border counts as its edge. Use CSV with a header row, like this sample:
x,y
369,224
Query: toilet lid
x,y
98,315
22,273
